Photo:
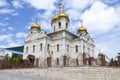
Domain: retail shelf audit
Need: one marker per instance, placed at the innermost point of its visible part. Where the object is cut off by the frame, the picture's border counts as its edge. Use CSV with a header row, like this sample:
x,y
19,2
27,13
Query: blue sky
x,y
100,17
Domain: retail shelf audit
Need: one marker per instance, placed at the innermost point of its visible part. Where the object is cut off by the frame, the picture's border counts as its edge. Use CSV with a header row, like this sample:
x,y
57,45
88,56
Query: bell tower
x,y
60,21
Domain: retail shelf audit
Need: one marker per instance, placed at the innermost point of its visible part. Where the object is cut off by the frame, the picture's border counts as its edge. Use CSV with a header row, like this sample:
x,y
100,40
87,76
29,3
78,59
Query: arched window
x,y
83,48
77,62
57,47
54,28
59,24
67,48
48,47
76,48
33,48
66,25
26,49
57,61
41,47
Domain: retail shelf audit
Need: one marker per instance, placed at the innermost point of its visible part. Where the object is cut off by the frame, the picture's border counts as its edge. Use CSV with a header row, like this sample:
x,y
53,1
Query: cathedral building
x,y
60,47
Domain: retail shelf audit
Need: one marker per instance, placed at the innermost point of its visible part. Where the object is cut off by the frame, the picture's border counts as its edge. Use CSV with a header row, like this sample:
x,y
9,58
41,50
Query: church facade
x,y
60,47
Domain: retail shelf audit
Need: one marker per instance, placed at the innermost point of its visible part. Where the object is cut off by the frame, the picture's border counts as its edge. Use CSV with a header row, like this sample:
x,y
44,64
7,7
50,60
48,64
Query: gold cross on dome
x,y
36,20
82,23
61,7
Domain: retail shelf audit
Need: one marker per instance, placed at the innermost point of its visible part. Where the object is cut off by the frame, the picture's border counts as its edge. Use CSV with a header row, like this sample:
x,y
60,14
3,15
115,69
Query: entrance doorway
x,y
31,58
49,61
64,60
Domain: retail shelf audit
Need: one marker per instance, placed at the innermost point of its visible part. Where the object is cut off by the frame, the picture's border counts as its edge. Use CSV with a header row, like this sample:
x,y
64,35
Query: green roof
x,y
18,48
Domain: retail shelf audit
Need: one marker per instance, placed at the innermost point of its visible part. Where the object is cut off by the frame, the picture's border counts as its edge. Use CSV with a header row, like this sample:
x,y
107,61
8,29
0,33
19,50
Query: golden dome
x,y
63,15
59,15
82,29
100,54
35,26
54,17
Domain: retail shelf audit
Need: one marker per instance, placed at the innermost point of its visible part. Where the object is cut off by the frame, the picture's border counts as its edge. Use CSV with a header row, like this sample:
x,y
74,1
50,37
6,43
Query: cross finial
x,y
36,20
81,23
99,51
61,7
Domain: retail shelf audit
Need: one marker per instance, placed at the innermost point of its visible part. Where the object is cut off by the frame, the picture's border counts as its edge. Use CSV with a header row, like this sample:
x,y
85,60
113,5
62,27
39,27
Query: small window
x,y
59,24
57,47
67,48
41,47
66,25
83,48
33,48
48,47
76,48
57,61
54,28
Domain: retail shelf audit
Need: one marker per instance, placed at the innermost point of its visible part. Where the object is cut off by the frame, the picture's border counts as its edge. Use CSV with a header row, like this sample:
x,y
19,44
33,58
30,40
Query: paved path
x,y
8,76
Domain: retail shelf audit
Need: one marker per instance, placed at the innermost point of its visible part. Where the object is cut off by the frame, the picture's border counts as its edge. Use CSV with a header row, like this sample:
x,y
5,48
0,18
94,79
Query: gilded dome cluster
x,y
60,14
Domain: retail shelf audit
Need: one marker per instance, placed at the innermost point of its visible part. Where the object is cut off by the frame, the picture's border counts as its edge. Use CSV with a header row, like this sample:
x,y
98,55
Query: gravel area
x,y
8,76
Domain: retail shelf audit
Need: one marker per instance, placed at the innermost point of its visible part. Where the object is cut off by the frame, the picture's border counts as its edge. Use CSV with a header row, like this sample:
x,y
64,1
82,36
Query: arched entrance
x,y
31,58
77,62
49,63
65,60
57,61
84,59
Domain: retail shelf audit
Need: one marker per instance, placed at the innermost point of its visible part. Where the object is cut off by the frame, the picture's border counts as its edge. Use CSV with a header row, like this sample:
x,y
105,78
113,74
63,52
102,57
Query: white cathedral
x,y
60,47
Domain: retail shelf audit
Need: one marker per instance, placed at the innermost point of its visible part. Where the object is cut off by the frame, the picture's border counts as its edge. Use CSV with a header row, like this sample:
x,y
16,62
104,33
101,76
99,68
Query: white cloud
x,y
6,18
45,25
44,20
74,14
6,11
5,37
10,28
3,24
118,10
3,3
78,4
17,4
74,26
110,1
21,35
3,30
42,4
12,43
46,15
109,45
15,14
10,40
100,18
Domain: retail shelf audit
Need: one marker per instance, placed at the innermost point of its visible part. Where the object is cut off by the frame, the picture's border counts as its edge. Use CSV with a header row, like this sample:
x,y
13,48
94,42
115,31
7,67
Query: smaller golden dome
x,y
35,26
100,54
82,29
